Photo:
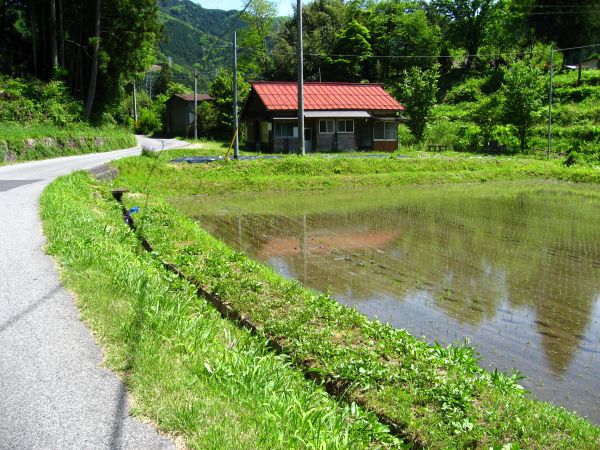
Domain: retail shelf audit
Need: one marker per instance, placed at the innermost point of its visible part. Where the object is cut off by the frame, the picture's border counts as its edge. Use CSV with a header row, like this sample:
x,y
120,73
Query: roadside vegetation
x,y
197,376
42,120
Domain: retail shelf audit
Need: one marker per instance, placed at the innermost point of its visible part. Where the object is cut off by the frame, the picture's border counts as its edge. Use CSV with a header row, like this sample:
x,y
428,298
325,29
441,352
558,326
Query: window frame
x,y
327,122
345,122
385,123
278,125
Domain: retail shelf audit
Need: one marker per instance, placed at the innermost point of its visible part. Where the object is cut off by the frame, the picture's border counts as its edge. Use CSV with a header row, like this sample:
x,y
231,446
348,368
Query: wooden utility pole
x,y
300,80
550,104
135,116
94,69
195,104
236,148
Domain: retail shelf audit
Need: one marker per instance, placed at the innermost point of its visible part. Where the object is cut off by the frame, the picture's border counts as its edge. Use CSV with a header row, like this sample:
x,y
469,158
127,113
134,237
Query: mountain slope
x,y
195,35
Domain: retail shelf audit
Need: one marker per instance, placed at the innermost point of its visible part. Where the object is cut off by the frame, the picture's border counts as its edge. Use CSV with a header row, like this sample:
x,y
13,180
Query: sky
x,y
285,6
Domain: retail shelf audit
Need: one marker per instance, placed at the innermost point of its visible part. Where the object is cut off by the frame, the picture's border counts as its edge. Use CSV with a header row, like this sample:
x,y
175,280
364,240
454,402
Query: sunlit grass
x,y
191,372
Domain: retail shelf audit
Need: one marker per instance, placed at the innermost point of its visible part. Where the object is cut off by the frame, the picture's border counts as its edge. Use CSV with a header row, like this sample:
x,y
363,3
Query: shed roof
x,y
283,96
190,97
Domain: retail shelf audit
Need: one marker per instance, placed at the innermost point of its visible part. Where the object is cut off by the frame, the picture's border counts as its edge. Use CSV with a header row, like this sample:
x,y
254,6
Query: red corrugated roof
x,y
283,96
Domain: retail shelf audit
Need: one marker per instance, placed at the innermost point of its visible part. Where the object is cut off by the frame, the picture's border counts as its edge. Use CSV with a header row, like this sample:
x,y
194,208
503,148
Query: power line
x,y
490,55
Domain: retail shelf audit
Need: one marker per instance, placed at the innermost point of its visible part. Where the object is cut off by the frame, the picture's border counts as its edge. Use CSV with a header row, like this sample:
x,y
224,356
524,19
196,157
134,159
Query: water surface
x,y
513,267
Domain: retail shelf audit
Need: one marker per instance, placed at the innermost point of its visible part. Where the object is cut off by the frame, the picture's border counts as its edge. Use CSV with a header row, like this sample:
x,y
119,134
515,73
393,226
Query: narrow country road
x,y
54,392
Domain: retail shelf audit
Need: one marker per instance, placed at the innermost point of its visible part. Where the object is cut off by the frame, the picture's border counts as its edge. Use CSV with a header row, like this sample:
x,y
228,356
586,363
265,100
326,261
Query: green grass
x,y
316,172
192,373
30,142
438,397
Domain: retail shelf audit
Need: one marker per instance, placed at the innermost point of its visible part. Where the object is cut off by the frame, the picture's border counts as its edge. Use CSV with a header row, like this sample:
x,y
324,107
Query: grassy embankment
x,y
193,373
30,142
438,397
41,120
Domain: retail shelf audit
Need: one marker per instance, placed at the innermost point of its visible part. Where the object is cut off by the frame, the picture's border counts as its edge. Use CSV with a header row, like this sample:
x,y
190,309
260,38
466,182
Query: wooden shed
x,y
180,113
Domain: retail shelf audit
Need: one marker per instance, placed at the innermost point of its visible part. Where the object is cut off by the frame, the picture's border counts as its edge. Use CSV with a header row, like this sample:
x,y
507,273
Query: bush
x,y
460,136
469,91
405,137
36,102
148,122
506,135
576,94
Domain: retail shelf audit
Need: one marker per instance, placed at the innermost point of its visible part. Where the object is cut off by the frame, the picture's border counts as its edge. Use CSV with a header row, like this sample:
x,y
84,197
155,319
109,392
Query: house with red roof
x,y
337,117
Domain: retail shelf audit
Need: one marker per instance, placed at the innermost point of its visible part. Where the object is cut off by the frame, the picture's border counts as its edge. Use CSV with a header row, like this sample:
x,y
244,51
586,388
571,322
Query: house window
x,y
345,126
264,132
285,130
326,126
384,131
250,134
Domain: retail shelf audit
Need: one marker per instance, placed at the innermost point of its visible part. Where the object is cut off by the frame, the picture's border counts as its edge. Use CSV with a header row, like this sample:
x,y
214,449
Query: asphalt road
x,y
54,392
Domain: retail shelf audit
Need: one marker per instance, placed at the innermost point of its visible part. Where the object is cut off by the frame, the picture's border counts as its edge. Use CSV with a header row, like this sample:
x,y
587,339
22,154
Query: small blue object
x,y
127,217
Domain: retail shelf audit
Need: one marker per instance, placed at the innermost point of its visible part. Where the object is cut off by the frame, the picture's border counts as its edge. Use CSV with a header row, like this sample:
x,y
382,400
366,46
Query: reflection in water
x,y
513,267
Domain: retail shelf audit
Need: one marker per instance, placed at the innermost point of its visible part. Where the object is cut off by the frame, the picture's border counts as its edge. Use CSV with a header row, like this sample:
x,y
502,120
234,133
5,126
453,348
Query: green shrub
x,y
506,135
469,91
33,101
461,136
405,137
576,94
148,122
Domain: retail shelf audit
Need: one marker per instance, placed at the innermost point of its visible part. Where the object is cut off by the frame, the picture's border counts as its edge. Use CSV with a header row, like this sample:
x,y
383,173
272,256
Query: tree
x,y
322,20
352,40
97,44
523,95
487,114
569,24
401,29
221,110
468,19
419,94
260,20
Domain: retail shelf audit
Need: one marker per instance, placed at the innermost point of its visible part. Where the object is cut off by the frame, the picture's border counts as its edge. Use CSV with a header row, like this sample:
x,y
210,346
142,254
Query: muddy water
x,y
514,268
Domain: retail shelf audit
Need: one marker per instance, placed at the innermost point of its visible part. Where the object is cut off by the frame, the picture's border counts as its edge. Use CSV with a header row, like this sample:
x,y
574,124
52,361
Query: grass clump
x,y
436,397
191,372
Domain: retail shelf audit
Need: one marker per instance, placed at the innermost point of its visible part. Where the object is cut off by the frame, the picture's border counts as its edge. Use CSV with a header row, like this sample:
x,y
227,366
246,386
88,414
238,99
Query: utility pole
x,y
319,74
195,105
300,80
550,104
135,116
236,148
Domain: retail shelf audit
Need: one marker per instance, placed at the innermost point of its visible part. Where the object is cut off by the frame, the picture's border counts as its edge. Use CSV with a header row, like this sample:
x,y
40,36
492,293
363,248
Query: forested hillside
x,y
194,35
95,46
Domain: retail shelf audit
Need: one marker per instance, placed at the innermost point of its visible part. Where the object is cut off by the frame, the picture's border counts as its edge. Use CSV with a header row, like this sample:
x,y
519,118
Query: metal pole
x,y
236,149
300,80
195,105
550,105
135,116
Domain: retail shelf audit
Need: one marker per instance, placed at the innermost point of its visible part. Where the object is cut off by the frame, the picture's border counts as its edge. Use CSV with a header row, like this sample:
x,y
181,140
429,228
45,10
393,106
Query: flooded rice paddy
x,y
513,267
